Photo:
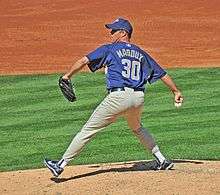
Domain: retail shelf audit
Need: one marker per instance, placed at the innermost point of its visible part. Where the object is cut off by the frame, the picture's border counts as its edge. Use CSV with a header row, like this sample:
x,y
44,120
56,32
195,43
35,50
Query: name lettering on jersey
x,y
130,53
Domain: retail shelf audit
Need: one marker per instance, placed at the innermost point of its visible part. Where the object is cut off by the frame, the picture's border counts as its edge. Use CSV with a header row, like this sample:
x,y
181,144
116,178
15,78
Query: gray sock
x,y
145,138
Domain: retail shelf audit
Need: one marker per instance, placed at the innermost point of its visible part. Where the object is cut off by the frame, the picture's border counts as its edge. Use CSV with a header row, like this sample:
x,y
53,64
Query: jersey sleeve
x,y
157,71
97,58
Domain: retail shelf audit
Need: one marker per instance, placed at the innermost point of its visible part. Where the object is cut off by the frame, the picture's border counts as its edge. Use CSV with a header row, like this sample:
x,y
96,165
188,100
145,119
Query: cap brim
x,y
108,26
111,26
115,27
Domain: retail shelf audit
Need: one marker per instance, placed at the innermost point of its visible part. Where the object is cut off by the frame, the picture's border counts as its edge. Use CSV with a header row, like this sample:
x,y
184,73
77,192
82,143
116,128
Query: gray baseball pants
x,y
128,104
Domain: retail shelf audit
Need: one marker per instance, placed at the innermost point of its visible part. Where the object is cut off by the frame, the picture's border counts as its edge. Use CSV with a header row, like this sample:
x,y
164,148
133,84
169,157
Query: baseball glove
x,y
67,89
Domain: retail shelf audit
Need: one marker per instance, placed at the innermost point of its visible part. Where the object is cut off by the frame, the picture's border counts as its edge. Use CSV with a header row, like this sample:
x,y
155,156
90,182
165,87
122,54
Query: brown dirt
x,y
47,36
187,177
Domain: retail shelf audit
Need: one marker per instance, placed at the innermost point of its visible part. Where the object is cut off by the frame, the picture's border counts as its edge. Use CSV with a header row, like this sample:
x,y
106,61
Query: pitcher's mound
x,y
187,177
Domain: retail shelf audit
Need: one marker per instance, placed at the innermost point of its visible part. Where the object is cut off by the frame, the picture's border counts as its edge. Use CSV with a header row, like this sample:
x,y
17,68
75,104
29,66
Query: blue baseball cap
x,y
120,24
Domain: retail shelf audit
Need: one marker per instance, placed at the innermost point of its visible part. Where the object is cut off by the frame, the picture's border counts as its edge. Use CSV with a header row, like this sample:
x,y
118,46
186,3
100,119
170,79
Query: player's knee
x,y
136,130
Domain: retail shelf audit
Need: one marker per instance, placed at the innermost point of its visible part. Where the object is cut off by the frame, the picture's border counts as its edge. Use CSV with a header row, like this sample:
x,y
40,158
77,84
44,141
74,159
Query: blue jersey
x,y
126,65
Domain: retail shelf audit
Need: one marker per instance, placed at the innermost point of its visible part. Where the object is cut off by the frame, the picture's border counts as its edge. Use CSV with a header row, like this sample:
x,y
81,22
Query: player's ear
x,y
124,33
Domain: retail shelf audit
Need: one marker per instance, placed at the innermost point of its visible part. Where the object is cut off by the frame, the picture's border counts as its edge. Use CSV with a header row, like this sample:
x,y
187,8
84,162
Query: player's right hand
x,y
178,98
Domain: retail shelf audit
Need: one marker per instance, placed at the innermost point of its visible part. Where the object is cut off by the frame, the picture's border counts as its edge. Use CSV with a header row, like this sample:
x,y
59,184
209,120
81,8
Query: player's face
x,y
116,35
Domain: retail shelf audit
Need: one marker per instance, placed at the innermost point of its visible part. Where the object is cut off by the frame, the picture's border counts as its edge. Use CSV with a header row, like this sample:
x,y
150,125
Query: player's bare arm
x,y
77,66
170,83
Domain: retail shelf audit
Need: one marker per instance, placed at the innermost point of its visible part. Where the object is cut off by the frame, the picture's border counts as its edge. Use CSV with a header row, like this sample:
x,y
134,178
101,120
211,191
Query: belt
x,y
123,89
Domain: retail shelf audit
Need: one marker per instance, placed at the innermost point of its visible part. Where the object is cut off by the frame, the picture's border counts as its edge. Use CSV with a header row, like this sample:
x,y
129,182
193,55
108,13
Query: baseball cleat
x,y
166,165
53,166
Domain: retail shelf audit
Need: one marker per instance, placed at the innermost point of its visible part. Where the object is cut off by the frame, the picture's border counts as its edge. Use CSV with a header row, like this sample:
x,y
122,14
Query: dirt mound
x,y
47,36
187,177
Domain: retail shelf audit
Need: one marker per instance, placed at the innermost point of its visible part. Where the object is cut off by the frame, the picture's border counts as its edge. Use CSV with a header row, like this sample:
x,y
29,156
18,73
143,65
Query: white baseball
x,y
177,104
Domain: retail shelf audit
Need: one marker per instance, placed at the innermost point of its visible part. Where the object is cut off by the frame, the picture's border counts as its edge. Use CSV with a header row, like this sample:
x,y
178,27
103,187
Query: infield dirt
x,y
47,36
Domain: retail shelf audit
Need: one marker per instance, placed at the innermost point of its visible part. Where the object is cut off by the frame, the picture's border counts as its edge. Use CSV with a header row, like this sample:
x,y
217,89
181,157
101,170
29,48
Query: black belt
x,y
123,89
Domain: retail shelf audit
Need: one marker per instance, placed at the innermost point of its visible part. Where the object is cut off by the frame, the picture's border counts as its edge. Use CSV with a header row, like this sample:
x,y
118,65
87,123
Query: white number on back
x,y
131,69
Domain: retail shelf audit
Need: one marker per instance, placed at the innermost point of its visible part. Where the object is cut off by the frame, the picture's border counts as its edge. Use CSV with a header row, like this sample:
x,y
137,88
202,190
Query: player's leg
x,y
105,114
133,117
102,116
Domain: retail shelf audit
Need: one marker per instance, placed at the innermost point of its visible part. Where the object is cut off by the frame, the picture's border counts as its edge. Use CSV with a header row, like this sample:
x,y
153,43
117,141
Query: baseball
x,y
177,105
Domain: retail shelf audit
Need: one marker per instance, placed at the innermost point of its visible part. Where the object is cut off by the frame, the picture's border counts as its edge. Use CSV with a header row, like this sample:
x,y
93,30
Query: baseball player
x,y
127,68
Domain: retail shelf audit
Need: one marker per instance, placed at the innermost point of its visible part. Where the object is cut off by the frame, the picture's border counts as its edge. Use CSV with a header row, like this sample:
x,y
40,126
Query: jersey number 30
x,y
131,69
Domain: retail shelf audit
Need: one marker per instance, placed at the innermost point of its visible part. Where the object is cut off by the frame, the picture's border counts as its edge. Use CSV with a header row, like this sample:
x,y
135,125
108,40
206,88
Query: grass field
x,y
36,121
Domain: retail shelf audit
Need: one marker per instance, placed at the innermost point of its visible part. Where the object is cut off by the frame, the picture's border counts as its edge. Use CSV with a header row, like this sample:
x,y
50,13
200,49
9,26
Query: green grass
x,y
36,121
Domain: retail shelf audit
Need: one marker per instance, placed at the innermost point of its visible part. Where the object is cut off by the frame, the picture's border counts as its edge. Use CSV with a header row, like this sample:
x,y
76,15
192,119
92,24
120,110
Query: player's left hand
x,y
67,89
66,77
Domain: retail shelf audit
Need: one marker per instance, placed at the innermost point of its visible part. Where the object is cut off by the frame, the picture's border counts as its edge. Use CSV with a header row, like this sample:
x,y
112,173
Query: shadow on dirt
x,y
187,161
125,167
